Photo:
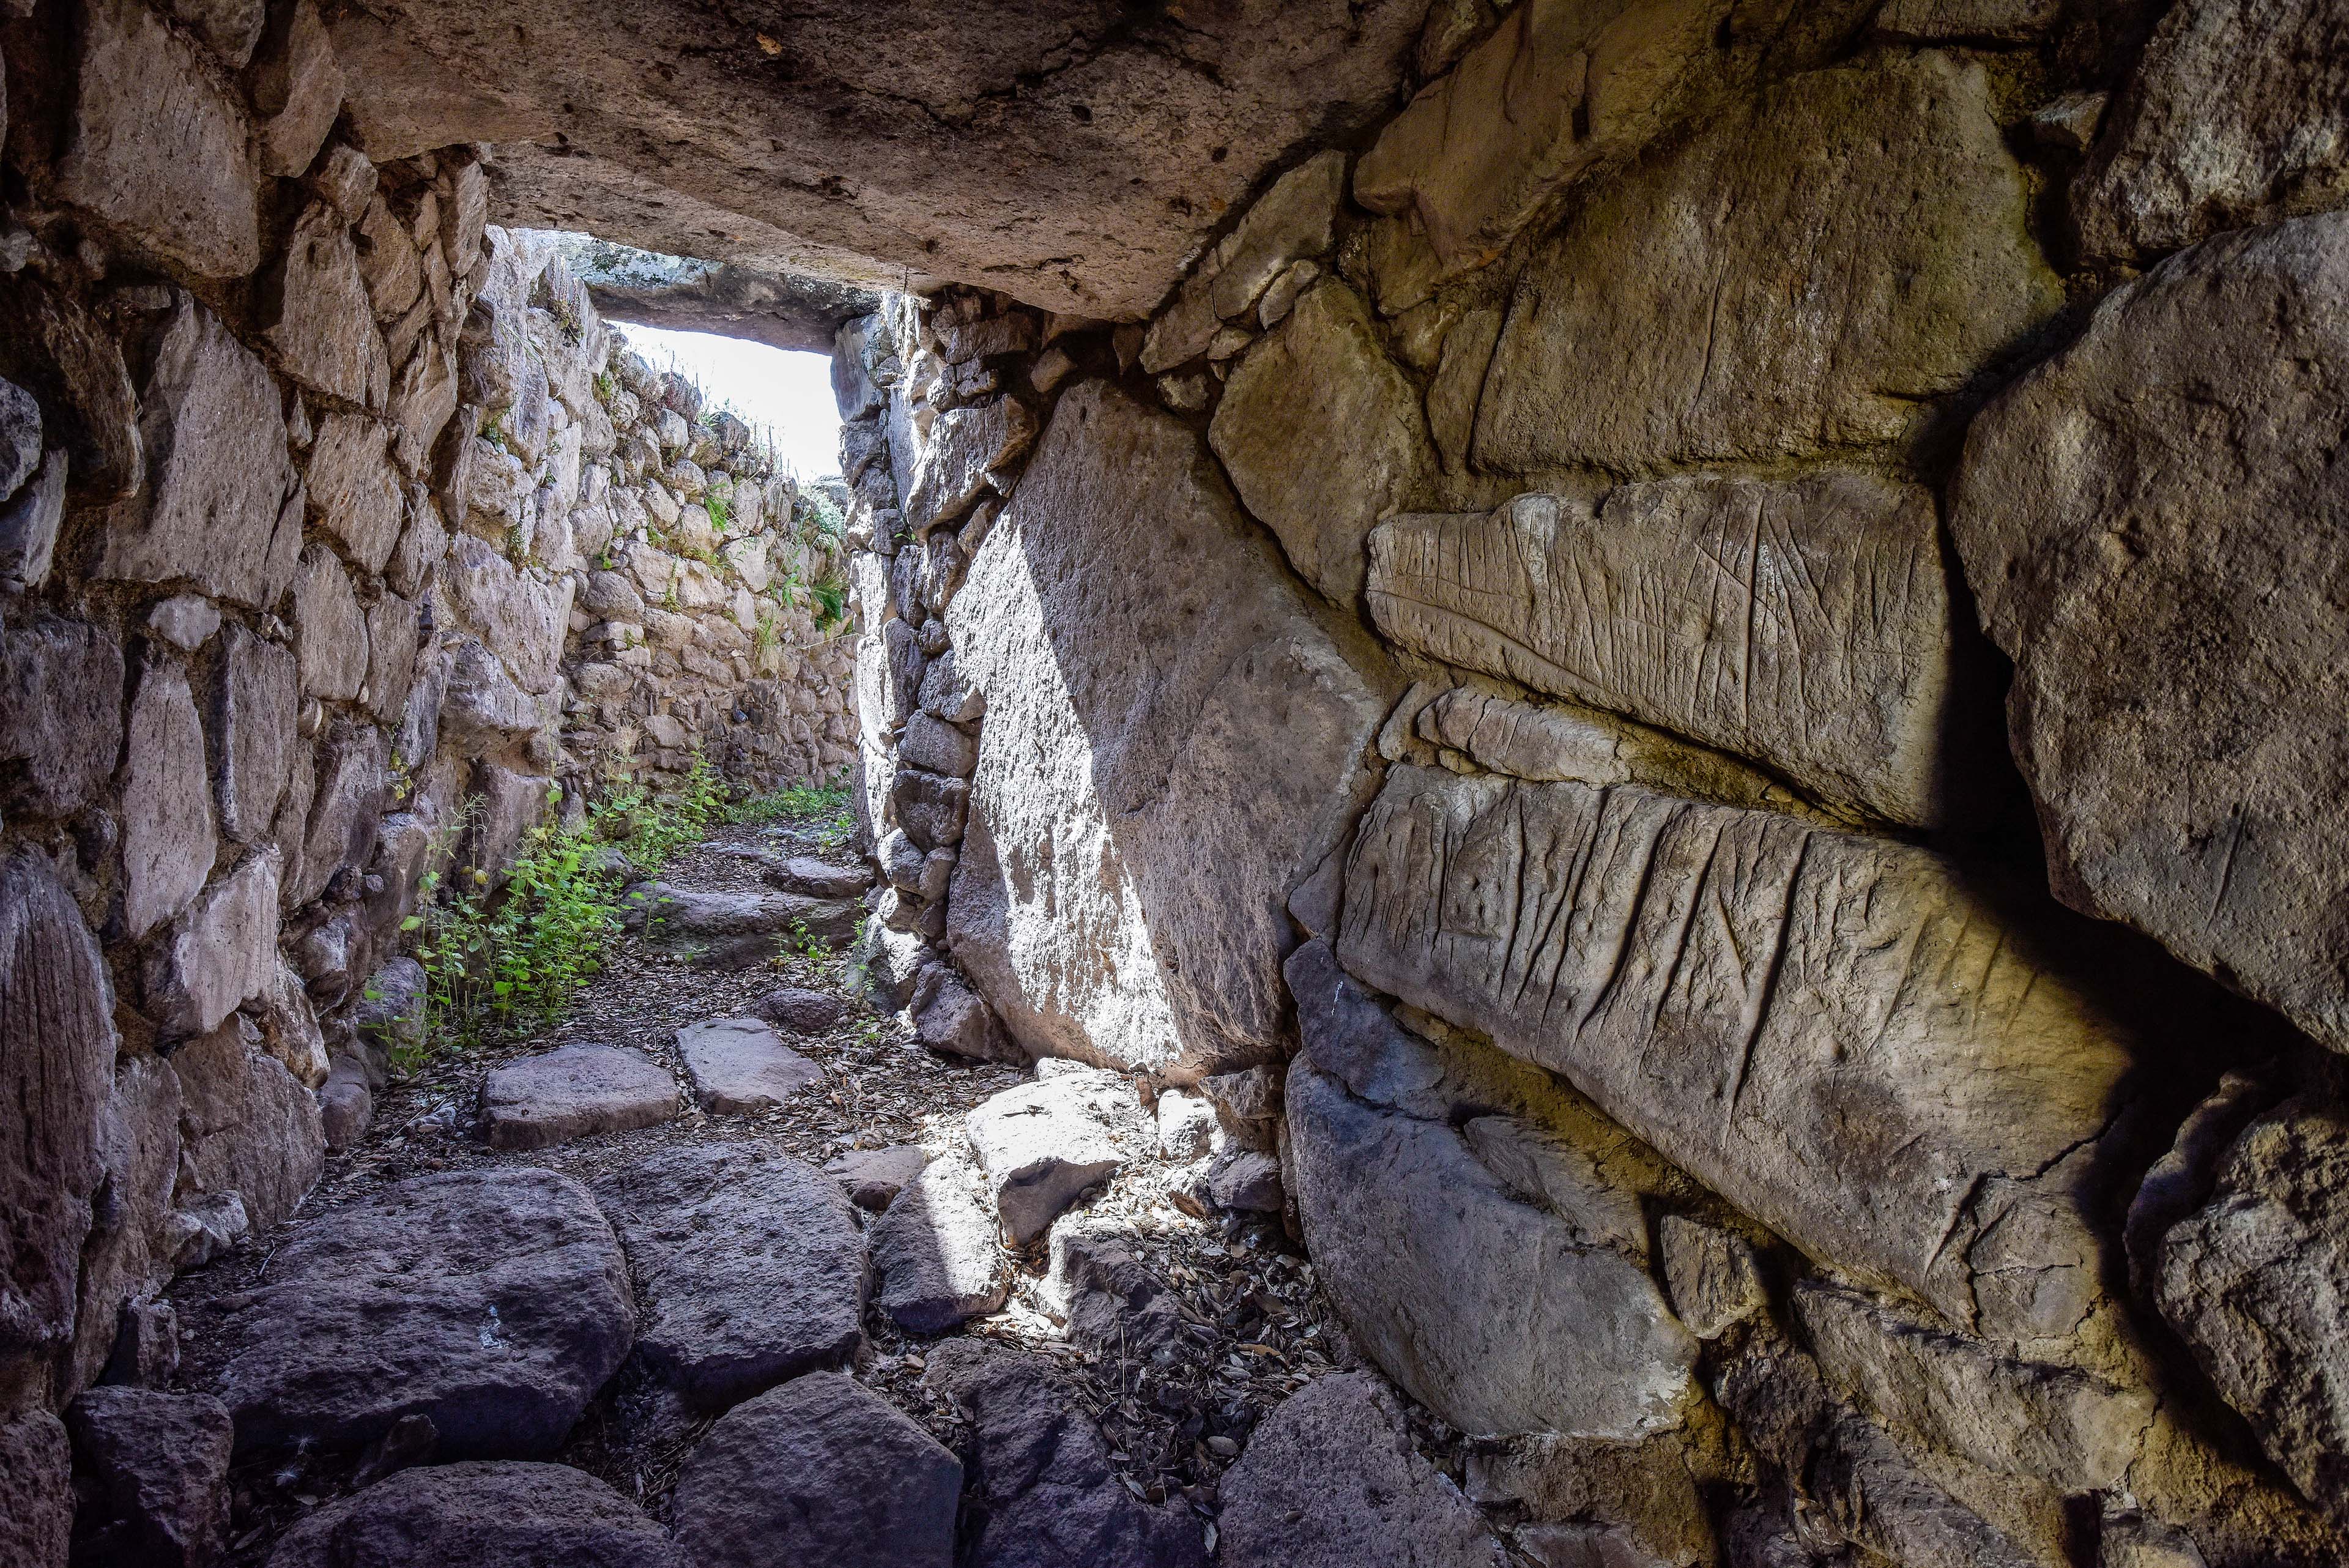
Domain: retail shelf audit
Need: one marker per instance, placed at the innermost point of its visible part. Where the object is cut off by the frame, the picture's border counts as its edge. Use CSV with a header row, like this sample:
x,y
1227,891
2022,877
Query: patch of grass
x,y
721,509
822,806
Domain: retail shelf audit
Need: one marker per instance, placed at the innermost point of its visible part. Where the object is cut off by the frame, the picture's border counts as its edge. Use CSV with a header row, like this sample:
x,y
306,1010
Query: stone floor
x,y
446,1356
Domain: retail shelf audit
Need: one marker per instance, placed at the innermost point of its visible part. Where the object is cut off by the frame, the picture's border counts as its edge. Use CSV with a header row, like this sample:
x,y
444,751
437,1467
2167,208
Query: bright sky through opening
x,y
786,394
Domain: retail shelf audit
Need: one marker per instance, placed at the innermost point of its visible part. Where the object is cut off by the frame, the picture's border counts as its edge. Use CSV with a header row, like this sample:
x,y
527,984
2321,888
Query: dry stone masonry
x,y
1663,674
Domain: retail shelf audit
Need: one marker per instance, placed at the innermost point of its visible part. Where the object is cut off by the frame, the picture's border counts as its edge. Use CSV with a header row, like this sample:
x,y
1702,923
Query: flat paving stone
x,y
820,1471
574,1091
480,1516
750,1268
494,1302
739,1066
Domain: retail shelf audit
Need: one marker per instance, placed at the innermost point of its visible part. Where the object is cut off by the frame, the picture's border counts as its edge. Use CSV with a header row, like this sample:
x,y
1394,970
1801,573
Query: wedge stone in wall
x,y
168,837
1816,638
1225,713
321,325
1671,300
2167,583
353,488
2235,115
1827,1025
217,475
1322,436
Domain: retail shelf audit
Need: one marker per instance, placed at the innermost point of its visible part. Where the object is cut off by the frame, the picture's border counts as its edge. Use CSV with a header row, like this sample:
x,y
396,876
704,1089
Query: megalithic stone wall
x,y
1511,654
338,542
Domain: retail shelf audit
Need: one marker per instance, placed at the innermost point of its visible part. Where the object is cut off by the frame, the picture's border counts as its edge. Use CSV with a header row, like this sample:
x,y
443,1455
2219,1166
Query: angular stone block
x,y
574,1091
168,839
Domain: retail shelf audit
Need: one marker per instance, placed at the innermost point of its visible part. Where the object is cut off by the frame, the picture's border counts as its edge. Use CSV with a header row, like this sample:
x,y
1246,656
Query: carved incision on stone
x,y
1890,182
1829,1026
2153,524
1803,624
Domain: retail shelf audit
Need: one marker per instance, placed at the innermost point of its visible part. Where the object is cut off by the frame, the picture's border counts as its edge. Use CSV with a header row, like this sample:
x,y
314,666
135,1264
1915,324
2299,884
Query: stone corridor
x,y
1555,784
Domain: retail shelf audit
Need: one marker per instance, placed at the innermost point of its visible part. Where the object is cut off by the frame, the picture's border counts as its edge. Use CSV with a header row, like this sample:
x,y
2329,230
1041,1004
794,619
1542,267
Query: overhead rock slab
x,y
574,1091
935,1253
2167,583
1225,713
1671,298
1331,1480
2258,1283
677,293
1841,998
2235,115
740,1066
493,1301
1046,1489
819,1470
479,1516
1818,642
751,1265
934,181
1040,1145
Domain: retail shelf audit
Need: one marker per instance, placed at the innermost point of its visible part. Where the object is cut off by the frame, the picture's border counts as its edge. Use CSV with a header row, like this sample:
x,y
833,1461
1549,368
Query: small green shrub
x,y
721,509
831,605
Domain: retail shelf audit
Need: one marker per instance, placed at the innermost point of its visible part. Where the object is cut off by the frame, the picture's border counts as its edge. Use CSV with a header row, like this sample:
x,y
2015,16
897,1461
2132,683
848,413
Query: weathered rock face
x,y
2233,117
936,1249
1322,436
161,1462
1661,291
574,1091
1219,99
1223,713
1042,1144
1494,1273
477,1515
2256,1281
681,294
2173,639
1820,644
1332,1479
1842,997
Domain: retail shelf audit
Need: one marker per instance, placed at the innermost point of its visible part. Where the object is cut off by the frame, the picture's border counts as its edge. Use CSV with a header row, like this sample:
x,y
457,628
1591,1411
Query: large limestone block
x,y
2154,532
353,488
1802,623
330,629
1322,436
2238,113
523,618
1041,1145
1662,325
1144,800
57,1067
1292,220
248,1128
297,90
1830,1028
212,509
158,148
1502,1313
965,447
1560,86
223,952
320,322
2256,1281
168,839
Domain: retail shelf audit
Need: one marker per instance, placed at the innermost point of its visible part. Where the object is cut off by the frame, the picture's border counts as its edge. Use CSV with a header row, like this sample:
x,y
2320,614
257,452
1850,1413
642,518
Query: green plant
x,y
769,633
721,509
608,386
831,605
500,960
821,805
669,601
